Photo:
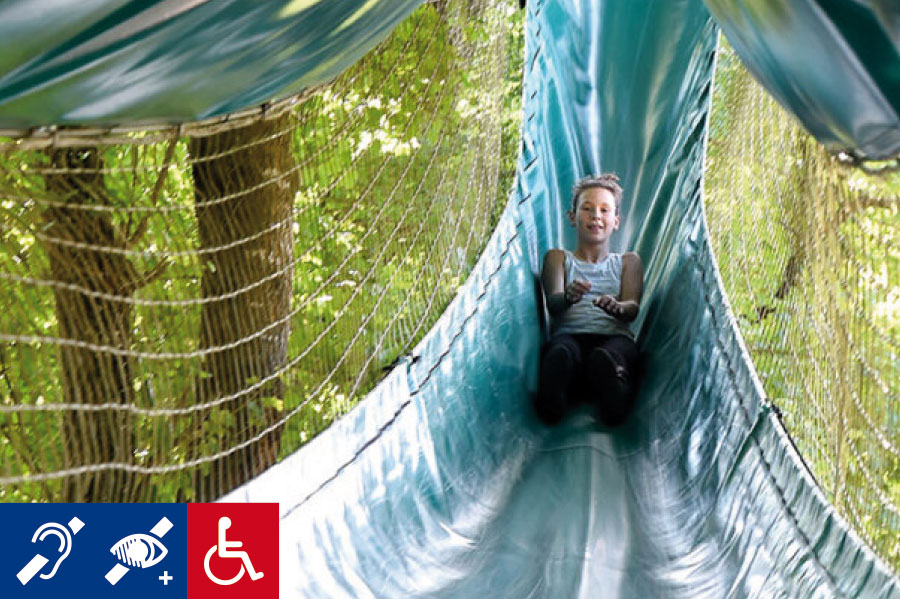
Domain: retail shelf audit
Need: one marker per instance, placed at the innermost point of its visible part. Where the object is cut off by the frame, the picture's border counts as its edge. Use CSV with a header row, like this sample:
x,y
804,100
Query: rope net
x,y
185,305
809,251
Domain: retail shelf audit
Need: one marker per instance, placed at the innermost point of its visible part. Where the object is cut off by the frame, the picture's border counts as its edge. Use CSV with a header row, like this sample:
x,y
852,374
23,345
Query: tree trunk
x,y
88,376
225,166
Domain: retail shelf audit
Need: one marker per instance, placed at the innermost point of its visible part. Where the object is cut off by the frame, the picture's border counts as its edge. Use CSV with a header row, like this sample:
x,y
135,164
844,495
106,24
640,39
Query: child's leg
x,y
609,368
560,361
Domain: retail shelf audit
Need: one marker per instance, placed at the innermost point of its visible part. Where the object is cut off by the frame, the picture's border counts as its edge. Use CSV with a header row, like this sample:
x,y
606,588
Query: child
x,y
592,296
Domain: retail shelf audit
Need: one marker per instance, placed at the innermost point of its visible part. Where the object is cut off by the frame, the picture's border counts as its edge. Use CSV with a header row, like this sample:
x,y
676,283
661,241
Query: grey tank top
x,y
605,278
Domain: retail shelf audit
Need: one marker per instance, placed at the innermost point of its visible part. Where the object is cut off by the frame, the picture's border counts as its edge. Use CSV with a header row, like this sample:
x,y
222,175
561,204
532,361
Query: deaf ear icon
x,y
65,543
38,562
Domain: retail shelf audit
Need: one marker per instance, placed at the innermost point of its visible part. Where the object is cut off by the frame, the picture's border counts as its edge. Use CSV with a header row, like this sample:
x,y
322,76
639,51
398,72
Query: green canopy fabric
x,y
443,484
834,63
109,62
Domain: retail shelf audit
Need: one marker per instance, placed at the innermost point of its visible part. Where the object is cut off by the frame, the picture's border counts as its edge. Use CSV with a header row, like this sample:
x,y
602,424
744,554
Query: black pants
x,y
573,371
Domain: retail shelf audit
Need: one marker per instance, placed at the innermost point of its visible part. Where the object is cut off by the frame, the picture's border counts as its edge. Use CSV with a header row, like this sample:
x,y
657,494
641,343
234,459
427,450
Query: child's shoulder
x,y
631,259
555,255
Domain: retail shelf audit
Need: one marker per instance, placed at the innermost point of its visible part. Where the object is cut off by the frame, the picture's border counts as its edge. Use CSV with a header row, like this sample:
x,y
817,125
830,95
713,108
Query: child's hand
x,y
576,290
610,305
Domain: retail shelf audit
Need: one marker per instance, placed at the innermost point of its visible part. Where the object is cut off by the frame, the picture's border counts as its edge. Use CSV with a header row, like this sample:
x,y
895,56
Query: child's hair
x,y
608,181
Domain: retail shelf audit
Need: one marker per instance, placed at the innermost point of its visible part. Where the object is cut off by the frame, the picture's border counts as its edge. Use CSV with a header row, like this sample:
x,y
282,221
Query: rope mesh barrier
x,y
807,248
186,305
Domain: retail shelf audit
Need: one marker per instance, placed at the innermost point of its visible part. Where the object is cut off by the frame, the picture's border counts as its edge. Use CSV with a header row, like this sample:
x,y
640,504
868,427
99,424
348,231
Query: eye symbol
x,y
139,551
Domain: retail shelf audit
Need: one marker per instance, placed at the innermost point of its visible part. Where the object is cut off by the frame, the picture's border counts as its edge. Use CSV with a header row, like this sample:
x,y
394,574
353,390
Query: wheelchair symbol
x,y
225,550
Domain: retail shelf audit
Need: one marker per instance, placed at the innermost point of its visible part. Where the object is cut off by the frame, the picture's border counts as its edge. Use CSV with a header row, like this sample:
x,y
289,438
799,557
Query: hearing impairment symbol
x,y
139,551
37,563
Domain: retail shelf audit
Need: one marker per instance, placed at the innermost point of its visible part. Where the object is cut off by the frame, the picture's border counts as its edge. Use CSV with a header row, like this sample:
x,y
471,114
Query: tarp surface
x,y
834,63
111,62
443,484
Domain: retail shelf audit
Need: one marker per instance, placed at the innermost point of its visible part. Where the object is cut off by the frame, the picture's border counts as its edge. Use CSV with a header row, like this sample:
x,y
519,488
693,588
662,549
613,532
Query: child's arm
x,y
553,277
627,306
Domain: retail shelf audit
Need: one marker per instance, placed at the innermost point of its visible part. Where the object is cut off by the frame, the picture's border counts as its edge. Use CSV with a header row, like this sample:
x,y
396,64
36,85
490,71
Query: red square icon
x,y
232,550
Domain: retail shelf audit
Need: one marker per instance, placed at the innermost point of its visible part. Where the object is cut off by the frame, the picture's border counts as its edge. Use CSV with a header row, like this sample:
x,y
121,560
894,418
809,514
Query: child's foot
x,y
607,381
551,401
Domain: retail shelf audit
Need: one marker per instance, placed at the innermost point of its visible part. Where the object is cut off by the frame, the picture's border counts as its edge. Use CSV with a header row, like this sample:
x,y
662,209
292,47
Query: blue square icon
x,y
93,549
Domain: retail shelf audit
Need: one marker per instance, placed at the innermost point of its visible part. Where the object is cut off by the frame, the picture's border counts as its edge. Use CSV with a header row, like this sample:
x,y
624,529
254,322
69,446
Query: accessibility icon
x,y
37,563
232,551
139,551
225,550
68,550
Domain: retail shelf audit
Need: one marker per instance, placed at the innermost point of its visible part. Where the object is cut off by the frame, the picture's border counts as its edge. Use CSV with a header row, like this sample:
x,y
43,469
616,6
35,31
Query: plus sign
x,y
165,578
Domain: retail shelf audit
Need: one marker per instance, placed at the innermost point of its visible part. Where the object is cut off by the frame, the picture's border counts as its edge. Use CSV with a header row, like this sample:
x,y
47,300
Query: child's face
x,y
595,215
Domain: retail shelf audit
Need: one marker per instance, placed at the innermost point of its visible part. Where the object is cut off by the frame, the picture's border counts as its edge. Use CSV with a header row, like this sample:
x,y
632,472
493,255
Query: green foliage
x,y
403,165
808,251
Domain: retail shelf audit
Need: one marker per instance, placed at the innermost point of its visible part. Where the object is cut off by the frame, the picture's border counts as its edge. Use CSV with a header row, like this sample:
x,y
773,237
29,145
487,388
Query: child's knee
x,y
558,365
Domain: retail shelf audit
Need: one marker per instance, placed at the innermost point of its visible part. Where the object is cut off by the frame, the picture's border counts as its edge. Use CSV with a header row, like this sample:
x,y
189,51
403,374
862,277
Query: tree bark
x,y
242,190
88,376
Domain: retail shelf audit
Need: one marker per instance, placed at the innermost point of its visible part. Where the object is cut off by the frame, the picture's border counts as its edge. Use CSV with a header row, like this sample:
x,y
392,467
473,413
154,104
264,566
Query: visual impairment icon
x,y
139,551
